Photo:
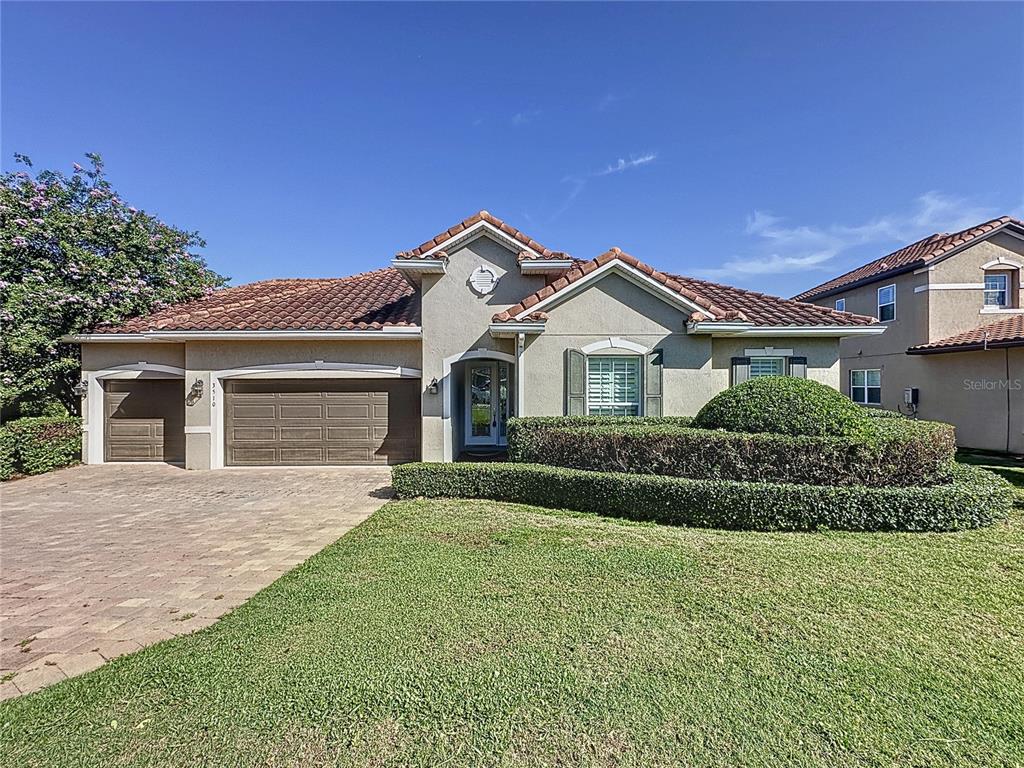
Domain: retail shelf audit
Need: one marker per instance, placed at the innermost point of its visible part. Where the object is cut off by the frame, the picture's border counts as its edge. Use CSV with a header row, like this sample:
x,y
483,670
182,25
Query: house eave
x,y
749,329
544,266
511,330
979,347
395,333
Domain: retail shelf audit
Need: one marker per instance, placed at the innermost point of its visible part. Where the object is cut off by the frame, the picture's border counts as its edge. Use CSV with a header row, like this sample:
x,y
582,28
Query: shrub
x,y
783,405
882,413
972,499
898,452
34,445
521,430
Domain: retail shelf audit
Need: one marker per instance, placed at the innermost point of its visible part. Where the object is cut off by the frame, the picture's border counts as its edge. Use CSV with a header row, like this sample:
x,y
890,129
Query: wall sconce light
x,y
432,386
81,389
196,393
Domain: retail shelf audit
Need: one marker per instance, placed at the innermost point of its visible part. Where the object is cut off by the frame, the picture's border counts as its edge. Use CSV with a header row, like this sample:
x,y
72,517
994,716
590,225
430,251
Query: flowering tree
x,y
73,255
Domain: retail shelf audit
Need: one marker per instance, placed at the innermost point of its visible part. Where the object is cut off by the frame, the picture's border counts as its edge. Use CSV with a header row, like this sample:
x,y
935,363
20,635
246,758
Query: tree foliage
x,y
74,255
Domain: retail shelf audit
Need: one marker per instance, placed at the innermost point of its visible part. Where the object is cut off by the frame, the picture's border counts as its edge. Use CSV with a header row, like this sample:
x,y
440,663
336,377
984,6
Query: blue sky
x,y
766,145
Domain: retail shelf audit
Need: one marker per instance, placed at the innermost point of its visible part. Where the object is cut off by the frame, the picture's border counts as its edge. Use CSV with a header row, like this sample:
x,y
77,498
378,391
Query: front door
x,y
487,390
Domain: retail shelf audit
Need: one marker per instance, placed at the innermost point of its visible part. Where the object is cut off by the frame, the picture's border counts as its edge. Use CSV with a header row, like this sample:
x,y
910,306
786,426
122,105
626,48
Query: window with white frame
x,y
866,387
613,385
996,289
766,366
887,303
840,305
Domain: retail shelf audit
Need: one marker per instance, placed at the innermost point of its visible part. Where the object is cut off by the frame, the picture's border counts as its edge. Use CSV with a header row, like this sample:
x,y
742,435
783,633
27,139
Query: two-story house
x,y
955,332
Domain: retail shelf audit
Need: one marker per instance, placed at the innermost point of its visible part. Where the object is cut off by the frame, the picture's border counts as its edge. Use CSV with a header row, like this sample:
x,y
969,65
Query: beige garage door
x,y
319,421
144,420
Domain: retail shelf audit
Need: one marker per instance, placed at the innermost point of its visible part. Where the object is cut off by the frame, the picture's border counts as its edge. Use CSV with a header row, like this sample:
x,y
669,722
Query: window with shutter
x,y
613,385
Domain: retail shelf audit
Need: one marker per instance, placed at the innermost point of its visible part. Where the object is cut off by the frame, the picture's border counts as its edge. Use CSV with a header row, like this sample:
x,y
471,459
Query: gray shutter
x,y
575,383
798,367
740,370
653,383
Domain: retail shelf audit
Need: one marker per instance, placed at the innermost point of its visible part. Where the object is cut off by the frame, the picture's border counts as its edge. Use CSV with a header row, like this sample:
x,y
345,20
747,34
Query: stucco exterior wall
x,y
695,367
455,320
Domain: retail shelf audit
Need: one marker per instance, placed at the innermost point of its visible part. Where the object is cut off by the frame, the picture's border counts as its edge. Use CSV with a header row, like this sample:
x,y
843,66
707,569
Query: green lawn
x,y
479,633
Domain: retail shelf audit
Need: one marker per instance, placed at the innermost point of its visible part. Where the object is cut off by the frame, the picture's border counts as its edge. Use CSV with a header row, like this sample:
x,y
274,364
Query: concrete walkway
x,y
99,561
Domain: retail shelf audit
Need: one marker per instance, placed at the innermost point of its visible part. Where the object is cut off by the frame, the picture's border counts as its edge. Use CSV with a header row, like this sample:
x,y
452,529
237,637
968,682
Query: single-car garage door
x,y
144,420
321,421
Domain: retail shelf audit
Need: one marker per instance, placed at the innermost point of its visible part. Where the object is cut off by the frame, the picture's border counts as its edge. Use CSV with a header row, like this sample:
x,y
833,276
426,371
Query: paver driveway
x,y
98,561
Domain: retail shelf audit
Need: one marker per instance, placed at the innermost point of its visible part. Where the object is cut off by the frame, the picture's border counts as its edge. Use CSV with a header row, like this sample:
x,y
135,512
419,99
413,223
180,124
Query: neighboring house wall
x,y
951,385
455,320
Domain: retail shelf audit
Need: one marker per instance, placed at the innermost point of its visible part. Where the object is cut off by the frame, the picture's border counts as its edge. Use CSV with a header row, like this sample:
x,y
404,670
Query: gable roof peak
x,y
431,248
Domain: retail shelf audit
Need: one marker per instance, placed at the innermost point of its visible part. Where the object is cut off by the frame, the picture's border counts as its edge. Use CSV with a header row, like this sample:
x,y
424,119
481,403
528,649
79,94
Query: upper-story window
x,y
997,290
887,303
840,305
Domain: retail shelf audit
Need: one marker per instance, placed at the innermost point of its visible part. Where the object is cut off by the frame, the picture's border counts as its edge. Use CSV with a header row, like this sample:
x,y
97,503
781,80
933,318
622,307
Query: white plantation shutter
x,y
613,386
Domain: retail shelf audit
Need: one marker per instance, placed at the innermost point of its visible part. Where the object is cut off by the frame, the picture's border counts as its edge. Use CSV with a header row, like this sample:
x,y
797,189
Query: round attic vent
x,y
483,280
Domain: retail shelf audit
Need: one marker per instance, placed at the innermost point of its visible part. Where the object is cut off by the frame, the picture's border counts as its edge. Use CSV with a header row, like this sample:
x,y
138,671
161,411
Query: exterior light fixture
x,y
81,388
432,386
196,392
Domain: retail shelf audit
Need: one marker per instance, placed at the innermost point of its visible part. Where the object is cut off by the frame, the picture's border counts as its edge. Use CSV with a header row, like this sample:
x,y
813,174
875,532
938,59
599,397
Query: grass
x,y
477,633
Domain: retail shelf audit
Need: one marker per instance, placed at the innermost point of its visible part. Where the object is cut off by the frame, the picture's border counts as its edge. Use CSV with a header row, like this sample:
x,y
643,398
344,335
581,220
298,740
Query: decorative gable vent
x,y
483,280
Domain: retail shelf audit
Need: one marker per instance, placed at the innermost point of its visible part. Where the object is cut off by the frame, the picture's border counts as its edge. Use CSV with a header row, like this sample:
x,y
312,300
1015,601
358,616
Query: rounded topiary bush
x,y
784,405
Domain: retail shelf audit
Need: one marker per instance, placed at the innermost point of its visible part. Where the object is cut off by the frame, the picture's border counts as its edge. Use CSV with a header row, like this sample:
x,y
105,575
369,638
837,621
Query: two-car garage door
x,y
321,421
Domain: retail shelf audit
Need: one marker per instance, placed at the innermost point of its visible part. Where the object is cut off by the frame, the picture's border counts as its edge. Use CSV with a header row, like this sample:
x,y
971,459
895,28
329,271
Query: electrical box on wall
x,y
910,396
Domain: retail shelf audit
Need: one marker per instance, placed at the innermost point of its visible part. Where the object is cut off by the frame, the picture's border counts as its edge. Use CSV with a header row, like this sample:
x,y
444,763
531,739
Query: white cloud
x,y
607,102
624,165
779,248
579,182
526,116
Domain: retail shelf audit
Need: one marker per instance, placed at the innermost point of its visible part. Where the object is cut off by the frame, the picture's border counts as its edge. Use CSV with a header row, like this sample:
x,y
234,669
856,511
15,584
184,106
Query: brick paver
x,y
99,561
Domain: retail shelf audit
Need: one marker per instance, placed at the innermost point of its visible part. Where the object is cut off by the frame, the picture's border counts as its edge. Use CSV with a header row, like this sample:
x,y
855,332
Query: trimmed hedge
x,y
783,405
974,498
521,429
38,444
897,453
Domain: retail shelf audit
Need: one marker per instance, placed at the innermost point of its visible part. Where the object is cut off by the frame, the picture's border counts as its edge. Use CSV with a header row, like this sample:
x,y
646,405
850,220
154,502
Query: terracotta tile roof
x,y
721,301
371,300
910,257
512,232
1008,332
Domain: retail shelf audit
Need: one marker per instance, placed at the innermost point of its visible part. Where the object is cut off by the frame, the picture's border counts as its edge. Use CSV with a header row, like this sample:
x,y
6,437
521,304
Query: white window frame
x,y
1005,290
840,305
781,361
865,386
888,303
637,360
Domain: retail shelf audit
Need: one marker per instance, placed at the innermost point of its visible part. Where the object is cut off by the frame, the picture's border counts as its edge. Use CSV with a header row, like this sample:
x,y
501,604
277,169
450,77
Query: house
x,y
428,357
955,344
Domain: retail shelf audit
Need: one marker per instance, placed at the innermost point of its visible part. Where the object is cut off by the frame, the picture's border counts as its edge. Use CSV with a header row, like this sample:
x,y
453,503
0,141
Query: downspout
x,y
1007,399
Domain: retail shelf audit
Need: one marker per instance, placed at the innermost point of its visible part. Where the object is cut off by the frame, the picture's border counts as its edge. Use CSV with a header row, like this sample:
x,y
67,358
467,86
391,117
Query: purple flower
x,y
96,193
20,242
21,222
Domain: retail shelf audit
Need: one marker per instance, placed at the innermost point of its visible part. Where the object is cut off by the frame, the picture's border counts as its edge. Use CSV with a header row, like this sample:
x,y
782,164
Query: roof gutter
x,y
511,330
400,332
980,346
749,329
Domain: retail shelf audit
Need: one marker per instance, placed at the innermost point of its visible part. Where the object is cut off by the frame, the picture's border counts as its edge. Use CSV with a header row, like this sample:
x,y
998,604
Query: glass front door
x,y
487,391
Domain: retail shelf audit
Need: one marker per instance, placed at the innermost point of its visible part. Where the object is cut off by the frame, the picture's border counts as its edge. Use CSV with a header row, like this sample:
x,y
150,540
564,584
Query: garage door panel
x,y
249,410
322,421
242,434
302,433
